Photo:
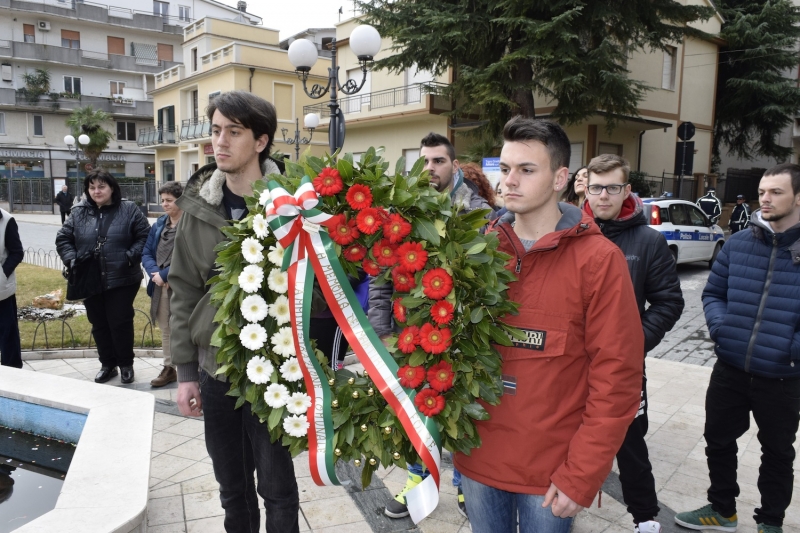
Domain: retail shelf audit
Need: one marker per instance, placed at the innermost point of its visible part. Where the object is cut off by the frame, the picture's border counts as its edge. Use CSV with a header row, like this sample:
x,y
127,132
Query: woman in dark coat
x,y
112,232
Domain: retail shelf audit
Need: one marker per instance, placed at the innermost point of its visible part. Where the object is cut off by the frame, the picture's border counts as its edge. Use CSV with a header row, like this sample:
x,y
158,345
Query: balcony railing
x,y
82,58
156,135
84,10
399,96
195,128
115,106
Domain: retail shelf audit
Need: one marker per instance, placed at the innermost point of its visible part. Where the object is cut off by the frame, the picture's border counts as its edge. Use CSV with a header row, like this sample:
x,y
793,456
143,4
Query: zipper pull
x,y
519,265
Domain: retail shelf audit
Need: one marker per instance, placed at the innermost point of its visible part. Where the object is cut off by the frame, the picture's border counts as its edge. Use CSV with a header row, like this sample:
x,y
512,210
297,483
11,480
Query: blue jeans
x,y
495,511
420,471
238,445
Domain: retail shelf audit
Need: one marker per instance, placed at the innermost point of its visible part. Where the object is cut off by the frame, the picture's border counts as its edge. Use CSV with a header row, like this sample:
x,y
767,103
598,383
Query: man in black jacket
x,y
620,216
740,217
710,205
64,201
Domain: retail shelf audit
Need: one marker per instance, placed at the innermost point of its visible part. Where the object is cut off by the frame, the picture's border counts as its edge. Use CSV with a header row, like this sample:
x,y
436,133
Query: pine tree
x,y
505,51
756,99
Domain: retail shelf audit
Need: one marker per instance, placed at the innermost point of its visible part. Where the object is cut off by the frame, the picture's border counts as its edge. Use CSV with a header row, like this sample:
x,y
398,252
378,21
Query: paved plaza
x,y
184,496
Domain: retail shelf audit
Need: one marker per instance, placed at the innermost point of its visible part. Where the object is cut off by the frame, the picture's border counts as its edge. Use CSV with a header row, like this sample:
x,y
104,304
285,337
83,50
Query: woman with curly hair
x,y
473,173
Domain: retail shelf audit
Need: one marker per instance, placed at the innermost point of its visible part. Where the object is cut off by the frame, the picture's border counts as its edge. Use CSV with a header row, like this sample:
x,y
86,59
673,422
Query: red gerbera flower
x,y
369,221
437,283
434,340
403,280
442,312
371,267
359,197
342,231
408,339
412,256
399,311
429,402
354,253
328,182
440,376
383,252
396,228
411,377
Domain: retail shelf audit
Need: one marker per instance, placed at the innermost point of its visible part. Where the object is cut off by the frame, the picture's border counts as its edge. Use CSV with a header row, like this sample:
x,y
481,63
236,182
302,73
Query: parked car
x,y
689,232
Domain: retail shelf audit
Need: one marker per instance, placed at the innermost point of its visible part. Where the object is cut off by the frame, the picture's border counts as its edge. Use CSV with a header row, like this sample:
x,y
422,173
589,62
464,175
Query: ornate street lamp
x,y
310,121
76,150
365,42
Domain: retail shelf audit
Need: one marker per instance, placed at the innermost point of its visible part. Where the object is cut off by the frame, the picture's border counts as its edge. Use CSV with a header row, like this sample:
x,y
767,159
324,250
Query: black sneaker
x,y
396,508
462,507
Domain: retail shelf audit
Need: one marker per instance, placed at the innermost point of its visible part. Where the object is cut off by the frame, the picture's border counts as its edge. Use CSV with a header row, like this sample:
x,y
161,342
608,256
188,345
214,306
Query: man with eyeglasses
x,y
621,218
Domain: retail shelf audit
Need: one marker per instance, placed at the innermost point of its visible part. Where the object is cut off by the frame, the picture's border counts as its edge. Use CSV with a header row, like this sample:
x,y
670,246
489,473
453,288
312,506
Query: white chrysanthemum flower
x,y
277,395
259,370
280,310
253,336
290,370
278,281
251,278
260,227
275,254
265,197
283,342
298,403
254,308
252,250
296,425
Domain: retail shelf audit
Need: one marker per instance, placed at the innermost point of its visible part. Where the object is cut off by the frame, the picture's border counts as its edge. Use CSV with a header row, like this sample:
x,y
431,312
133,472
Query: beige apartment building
x,y
220,56
396,111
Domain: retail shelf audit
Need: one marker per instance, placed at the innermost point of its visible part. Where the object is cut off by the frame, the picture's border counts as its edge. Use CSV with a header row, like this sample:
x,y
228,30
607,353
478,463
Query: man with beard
x,y
752,308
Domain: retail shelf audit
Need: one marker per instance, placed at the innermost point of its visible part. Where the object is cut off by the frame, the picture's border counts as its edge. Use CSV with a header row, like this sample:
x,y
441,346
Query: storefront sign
x,y
34,154
208,149
105,157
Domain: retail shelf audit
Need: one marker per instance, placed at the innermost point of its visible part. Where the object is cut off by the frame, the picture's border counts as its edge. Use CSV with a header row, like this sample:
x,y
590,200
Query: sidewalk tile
x,y
166,466
198,469
200,484
187,427
310,491
589,523
194,449
166,492
331,512
215,524
178,527
202,505
356,527
163,441
164,511
163,421
431,525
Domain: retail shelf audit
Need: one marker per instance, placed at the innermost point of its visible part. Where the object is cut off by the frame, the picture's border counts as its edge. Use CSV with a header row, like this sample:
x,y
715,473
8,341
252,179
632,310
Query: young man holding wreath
x,y
572,387
242,131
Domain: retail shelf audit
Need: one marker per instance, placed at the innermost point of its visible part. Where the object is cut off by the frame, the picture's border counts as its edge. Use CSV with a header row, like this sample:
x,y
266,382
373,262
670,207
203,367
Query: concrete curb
x,y
85,353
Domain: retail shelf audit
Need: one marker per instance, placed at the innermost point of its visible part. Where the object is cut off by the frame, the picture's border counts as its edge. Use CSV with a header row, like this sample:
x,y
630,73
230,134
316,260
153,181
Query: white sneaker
x,y
651,526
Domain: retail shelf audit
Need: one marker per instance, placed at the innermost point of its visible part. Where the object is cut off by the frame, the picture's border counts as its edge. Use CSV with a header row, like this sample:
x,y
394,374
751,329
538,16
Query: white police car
x,y
689,232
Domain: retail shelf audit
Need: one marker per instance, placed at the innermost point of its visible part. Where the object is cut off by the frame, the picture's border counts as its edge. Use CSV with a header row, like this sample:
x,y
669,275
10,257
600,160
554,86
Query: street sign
x,y
684,158
686,131
491,169
87,167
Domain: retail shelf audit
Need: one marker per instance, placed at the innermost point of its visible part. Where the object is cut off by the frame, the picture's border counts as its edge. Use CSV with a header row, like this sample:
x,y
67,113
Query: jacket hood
x,y
573,222
208,180
631,214
570,216
790,238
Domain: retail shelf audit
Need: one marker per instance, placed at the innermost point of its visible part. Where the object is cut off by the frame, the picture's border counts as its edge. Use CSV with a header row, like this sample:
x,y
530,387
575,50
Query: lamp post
x,y
310,121
77,149
365,42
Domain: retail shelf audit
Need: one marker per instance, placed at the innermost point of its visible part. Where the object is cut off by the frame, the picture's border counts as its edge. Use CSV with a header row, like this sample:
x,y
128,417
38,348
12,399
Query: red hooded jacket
x,y
573,387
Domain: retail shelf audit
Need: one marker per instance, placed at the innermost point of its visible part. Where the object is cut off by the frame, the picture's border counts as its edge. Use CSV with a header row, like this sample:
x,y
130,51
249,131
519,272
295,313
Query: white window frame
x,y
72,84
185,13
41,120
669,69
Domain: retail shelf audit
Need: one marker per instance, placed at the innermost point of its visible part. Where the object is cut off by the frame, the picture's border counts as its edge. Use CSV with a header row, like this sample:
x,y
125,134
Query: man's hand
x,y
157,279
563,506
189,401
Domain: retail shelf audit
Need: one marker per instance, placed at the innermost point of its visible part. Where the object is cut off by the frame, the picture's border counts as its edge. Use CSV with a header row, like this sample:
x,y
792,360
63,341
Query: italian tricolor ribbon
x,y
310,253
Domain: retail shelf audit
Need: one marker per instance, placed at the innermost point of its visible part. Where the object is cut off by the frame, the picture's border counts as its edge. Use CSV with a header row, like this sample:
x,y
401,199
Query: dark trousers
x,y
10,350
238,444
111,315
775,404
635,470
64,215
329,337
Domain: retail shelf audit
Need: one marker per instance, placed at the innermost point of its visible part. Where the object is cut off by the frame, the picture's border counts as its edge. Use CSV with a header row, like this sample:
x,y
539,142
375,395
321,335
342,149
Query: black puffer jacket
x,y
653,270
125,239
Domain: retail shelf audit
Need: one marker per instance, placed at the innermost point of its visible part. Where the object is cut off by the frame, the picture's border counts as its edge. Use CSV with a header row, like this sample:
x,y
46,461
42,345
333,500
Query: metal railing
x,y
91,11
398,96
195,128
156,135
112,105
42,323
